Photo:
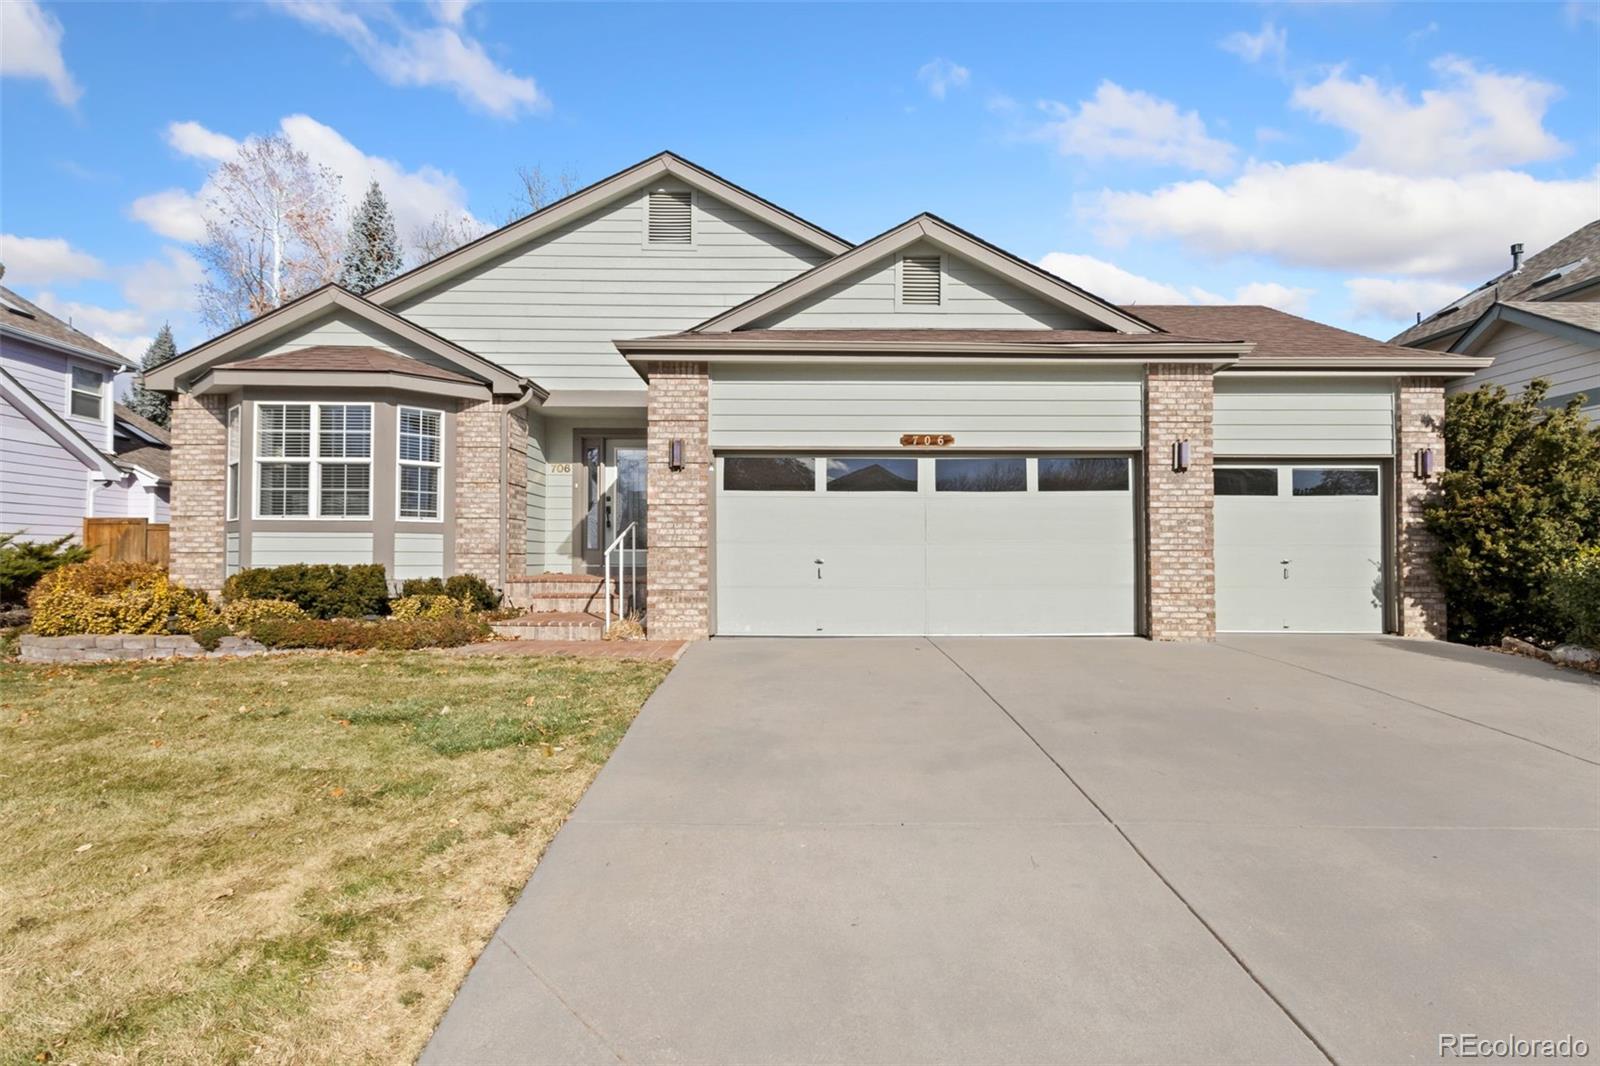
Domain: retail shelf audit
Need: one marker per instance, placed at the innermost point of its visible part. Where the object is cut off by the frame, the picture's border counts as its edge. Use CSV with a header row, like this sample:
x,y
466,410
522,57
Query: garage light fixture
x,y
1425,463
1180,456
675,454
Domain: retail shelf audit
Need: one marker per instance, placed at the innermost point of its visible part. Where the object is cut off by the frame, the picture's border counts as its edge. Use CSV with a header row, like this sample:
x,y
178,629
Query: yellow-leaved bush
x,y
104,597
242,614
420,608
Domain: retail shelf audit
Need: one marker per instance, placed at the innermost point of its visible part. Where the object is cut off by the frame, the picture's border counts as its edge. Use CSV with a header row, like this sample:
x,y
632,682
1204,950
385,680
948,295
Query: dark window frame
x,y
729,460
1229,469
1371,483
938,485
829,482
1124,469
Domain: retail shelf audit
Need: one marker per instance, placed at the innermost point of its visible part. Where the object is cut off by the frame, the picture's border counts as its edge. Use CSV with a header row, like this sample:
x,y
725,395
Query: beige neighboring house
x,y
790,434
1540,319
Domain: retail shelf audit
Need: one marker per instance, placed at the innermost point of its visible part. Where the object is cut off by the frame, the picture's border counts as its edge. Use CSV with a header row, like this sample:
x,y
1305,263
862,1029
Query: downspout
x,y
527,397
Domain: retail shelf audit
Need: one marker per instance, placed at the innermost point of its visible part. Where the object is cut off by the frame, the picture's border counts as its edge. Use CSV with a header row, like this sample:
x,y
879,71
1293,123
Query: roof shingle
x,y
42,323
347,359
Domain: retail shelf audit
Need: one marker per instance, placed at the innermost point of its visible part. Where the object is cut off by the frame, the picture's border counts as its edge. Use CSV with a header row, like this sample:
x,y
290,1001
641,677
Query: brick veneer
x,y
679,503
199,490
1419,423
1180,578
480,461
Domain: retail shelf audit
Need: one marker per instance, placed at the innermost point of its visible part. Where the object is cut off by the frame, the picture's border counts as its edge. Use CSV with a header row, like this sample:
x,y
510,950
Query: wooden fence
x,y
126,540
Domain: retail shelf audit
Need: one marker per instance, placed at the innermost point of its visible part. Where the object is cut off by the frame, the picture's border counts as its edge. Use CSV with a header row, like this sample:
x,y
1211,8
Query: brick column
x,y
1419,424
491,472
199,490
678,590
1180,574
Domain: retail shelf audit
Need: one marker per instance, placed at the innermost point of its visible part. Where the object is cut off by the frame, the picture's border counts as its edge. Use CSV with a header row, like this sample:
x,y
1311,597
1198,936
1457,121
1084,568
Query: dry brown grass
x,y
286,859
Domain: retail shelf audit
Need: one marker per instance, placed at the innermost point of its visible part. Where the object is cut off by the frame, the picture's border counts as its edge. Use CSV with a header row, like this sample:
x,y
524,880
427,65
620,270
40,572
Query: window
x,y
778,473
669,217
233,463
421,454
1327,481
872,475
312,460
919,280
980,475
87,386
1061,474
1244,481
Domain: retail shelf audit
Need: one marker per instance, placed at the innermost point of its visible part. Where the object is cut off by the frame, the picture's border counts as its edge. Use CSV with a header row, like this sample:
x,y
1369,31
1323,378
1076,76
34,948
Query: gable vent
x,y
670,220
919,279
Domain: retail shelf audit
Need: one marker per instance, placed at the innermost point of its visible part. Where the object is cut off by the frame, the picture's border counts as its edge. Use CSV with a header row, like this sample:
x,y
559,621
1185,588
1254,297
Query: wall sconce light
x,y
1180,456
675,454
1425,463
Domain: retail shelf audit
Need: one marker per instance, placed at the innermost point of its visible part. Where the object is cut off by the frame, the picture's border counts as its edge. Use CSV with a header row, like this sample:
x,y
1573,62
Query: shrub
x,y
98,597
348,634
322,590
469,588
242,614
412,608
210,636
23,563
1521,497
1575,595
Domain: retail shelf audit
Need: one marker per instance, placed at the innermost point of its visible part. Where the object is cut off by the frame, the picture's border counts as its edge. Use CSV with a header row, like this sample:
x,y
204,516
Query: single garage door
x,y
1299,548
900,545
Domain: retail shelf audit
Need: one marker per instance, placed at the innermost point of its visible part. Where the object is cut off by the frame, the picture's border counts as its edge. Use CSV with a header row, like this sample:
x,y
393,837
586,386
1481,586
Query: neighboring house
x,y
1540,319
62,435
921,434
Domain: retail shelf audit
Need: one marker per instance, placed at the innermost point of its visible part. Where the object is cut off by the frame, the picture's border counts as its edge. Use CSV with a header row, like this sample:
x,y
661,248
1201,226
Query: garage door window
x,y
980,475
872,475
1245,481
781,473
1334,481
1083,475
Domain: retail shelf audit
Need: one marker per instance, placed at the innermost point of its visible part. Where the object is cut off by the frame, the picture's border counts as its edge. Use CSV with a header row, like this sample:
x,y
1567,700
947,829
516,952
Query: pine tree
x,y
372,250
156,406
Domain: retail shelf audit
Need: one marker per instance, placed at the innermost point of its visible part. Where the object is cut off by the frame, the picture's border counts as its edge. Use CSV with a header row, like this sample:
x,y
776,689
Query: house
x,y
68,451
1539,319
920,434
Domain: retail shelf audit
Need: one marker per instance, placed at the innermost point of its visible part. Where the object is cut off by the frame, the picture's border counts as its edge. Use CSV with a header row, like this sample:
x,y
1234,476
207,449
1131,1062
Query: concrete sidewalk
x,y
1265,850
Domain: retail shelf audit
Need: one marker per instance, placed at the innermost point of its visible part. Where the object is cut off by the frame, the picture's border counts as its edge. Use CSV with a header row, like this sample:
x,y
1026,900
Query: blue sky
x,y
1355,163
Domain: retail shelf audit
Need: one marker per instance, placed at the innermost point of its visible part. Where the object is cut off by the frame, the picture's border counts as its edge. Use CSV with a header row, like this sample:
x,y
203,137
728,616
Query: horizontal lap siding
x,y
551,310
230,554
1300,416
534,533
280,549
870,407
346,330
42,485
418,555
45,373
1521,354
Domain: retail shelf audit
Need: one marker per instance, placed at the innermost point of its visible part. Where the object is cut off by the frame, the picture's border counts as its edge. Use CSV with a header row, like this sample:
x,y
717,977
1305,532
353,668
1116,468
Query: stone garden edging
x,y
119,646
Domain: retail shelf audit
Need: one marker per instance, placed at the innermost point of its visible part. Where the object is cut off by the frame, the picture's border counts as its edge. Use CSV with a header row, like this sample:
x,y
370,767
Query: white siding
x,y
972,298
557,448
418,555
1522,354
231,554
534,541
841,406
1304,416
280,549
551,309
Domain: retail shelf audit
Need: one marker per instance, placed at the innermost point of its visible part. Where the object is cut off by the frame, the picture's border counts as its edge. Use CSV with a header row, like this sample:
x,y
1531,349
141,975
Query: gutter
x,y
530,394
122,362
701,350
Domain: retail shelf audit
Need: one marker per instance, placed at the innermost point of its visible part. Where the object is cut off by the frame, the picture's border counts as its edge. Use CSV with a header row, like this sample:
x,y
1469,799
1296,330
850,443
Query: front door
x,y
625,498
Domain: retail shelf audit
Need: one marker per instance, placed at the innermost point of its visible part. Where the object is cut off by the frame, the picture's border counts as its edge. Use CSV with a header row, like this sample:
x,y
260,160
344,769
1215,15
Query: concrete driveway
x,y
1271,849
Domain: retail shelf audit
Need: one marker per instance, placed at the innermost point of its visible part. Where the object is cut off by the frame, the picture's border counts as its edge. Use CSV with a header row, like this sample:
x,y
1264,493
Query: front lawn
x,y
283,859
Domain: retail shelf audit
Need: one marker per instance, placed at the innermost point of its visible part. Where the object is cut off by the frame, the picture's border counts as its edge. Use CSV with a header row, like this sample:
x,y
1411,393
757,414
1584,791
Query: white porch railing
x,y
627,573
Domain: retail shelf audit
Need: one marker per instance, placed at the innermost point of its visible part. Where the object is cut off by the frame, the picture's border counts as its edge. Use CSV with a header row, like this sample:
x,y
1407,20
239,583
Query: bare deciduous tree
x,y
447,232
272,231
539,189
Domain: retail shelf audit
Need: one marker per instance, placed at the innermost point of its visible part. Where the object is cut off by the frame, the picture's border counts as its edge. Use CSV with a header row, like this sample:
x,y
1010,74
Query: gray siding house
x,y
66,450
790,434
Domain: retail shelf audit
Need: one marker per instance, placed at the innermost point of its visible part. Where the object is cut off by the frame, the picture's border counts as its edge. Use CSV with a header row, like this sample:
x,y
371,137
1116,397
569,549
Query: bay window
x,y
420,456
313,460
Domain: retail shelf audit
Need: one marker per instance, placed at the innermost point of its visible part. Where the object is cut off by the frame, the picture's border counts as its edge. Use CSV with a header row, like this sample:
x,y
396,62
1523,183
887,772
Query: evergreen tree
x,y
372,250
156,406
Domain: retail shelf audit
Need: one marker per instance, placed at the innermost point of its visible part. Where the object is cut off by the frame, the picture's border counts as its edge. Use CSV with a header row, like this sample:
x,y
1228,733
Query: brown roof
x,y
1276,334
346,358
127,414
1586,315
1578,252
41,323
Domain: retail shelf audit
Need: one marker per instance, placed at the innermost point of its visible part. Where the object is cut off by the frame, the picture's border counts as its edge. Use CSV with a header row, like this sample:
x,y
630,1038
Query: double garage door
x,y
939,545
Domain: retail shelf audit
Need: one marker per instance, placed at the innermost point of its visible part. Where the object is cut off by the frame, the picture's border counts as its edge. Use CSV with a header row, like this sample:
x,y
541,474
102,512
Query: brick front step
x,y
552,625
568,593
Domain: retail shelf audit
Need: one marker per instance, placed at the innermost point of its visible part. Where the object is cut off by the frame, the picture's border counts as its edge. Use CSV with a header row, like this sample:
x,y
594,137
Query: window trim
x,y
1273,468
400,463
827,475
1030,485
313,460
1037,461
900,286
234,463
73,366
818,474
1362,468
644,222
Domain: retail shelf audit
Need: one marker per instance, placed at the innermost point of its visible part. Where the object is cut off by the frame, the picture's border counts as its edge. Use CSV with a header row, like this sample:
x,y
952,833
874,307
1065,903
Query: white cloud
x,y
439,55
173,213
45,260
1339,217
194,140
1119,123
30,47
1269,42
1477,119
449,12
1398,299
120,330
155,291
1111,282
939,76
165,285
